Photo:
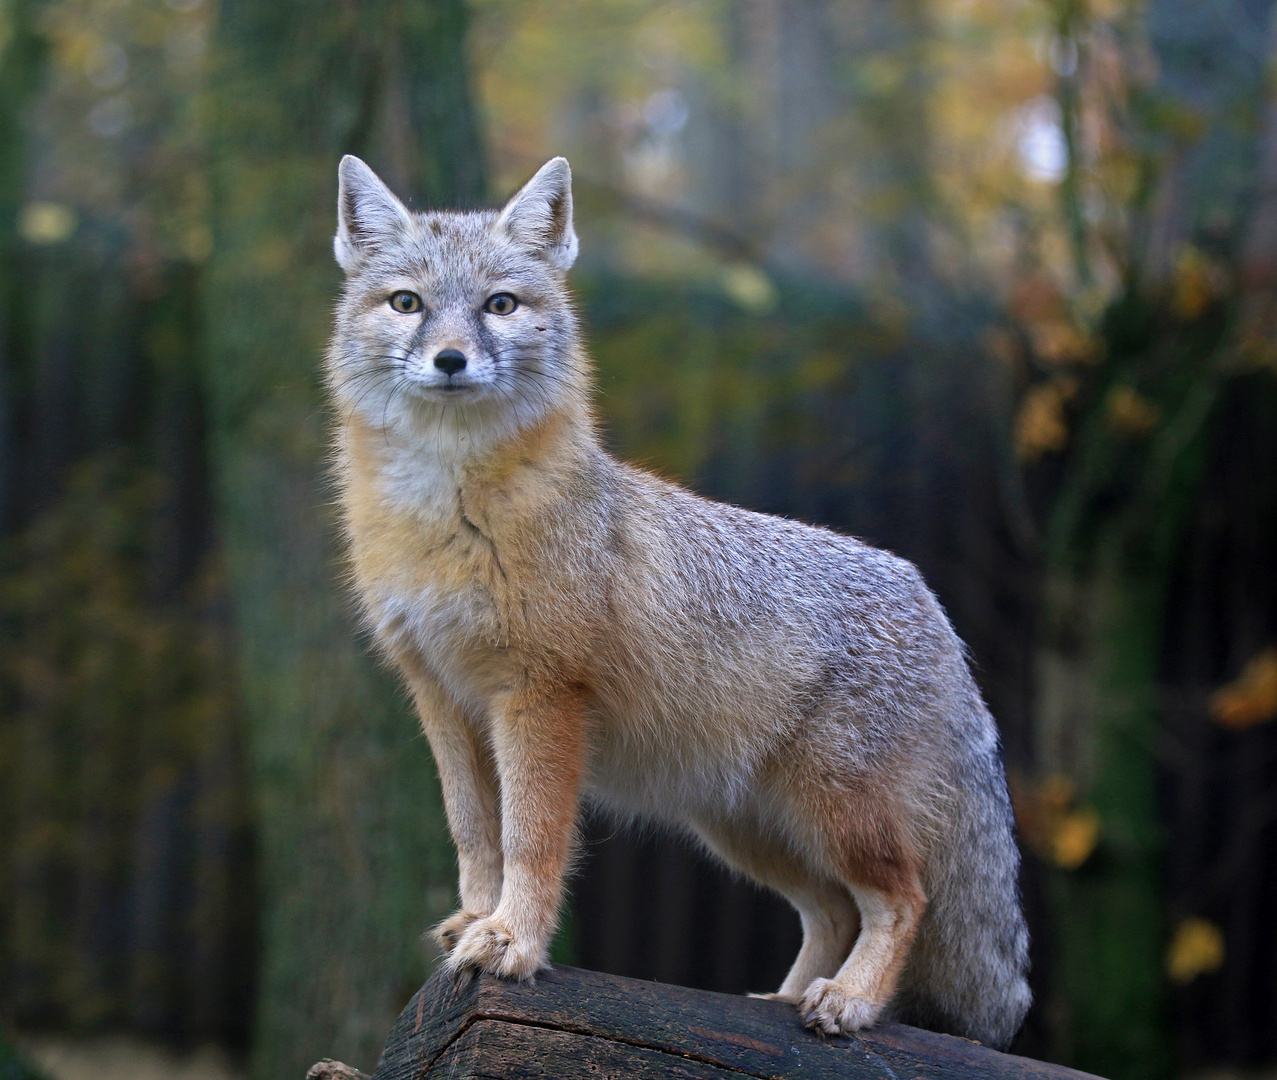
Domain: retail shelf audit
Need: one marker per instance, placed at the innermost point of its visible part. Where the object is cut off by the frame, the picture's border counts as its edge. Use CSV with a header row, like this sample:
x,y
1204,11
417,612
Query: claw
x,y
832,1009
489,945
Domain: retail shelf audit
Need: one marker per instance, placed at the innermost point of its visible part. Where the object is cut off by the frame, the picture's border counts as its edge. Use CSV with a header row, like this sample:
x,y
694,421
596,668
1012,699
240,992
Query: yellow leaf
x,y
1075,836
1197,282
1251,698
46,223
749,287
1058,341
1129,412
1040,425
1053,824
1196,948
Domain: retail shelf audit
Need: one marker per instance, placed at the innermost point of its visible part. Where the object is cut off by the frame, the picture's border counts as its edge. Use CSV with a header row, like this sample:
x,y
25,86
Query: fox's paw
x,y
489,945
775,997
828,1007
450,931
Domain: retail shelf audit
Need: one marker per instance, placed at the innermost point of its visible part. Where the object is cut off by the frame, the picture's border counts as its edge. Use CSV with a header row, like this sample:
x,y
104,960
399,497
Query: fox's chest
x,y
441,615
434,586
470,583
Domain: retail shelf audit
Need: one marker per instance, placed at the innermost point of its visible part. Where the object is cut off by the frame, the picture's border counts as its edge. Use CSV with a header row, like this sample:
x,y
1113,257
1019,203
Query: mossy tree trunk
x,y
1116,525
353,851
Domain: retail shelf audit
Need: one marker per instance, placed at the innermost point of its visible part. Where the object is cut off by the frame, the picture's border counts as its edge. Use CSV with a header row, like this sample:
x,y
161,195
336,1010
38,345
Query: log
x,y
328,1069
572,1024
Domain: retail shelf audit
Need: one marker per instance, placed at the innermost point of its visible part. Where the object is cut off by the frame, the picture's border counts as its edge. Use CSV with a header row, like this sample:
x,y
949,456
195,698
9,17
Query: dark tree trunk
x,y
354,855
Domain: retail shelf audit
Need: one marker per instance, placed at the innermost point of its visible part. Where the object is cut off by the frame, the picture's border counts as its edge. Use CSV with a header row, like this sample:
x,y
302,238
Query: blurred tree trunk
x,y
353,851
1101,636
19,71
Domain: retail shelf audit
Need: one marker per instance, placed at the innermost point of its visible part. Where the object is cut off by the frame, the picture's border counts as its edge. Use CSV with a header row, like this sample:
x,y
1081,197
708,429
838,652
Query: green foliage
x,y
112,701
1132,468
688,376
790,408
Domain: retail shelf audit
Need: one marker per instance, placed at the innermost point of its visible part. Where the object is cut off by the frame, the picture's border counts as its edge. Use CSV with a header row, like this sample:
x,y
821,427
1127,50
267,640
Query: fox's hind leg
x,y
830,923
877,864
828,915
855,997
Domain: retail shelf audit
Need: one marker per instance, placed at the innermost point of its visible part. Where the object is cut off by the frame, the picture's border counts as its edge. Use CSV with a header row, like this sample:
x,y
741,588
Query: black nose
x,y
450,361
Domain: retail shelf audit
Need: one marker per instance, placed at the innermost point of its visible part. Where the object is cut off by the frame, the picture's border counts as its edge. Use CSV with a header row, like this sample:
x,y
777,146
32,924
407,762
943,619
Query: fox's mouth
x,y
451,388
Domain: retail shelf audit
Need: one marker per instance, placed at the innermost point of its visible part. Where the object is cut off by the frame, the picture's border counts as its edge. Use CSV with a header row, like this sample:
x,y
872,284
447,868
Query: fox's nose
x,y
450,361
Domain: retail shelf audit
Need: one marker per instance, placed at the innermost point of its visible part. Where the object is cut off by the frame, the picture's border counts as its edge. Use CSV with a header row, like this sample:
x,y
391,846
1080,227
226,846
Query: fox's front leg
x,y
468,777
539,741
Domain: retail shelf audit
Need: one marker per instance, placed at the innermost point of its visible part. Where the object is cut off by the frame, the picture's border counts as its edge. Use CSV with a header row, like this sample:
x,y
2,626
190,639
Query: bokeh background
x,y
992,283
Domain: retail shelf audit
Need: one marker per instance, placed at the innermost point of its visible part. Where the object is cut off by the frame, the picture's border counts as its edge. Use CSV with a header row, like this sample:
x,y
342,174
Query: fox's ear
x,y
368,214
540,214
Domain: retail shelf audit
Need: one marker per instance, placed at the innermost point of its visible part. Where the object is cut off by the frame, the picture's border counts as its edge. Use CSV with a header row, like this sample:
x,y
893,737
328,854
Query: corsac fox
x,y
570,626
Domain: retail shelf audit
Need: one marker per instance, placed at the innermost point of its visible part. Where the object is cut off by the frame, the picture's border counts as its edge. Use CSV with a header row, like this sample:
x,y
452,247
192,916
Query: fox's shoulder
x,y
768,541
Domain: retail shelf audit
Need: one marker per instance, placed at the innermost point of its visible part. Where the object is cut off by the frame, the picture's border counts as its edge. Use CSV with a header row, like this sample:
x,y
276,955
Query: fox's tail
x,y
967,969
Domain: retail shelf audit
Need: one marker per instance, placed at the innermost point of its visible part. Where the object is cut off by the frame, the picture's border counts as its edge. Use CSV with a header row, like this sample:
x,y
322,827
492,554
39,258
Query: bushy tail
x,y
967,969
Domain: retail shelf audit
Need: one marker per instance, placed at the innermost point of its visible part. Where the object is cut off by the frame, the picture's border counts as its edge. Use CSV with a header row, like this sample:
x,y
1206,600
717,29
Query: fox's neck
x,y
435,474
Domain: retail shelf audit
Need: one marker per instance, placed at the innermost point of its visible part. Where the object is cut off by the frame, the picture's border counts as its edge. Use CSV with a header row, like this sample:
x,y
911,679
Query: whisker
x,y
398,385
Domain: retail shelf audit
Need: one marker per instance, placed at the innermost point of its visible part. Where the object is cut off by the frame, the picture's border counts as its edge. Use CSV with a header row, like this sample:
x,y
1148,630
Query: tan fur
x,y
570,627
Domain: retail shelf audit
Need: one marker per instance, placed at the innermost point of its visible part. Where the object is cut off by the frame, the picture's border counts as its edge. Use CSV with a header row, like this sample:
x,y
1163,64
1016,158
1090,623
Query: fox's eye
x,y
405,302
501,304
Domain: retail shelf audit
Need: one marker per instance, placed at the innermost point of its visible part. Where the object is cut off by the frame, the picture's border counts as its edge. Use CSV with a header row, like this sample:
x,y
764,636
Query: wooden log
x,y
328,1069
580,1024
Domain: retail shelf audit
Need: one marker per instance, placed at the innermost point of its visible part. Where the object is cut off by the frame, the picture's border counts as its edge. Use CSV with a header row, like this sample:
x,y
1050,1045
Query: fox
x,y
574,629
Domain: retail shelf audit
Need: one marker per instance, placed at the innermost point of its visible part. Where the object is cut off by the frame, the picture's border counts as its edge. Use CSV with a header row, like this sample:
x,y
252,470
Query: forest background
x,y
988,282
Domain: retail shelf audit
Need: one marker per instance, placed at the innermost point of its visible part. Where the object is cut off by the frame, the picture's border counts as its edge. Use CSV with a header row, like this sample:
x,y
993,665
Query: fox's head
x,y
455,322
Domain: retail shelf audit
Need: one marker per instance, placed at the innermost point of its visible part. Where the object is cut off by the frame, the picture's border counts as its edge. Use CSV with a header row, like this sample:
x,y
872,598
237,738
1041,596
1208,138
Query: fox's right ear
x,y
368,213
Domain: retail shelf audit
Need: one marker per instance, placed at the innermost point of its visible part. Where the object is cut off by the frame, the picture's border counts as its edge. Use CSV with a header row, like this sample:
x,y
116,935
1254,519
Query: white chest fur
x,y
429,579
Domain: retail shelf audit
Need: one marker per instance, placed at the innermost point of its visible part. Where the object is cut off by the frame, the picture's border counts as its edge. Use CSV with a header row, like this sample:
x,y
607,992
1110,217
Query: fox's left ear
x,y
540,214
